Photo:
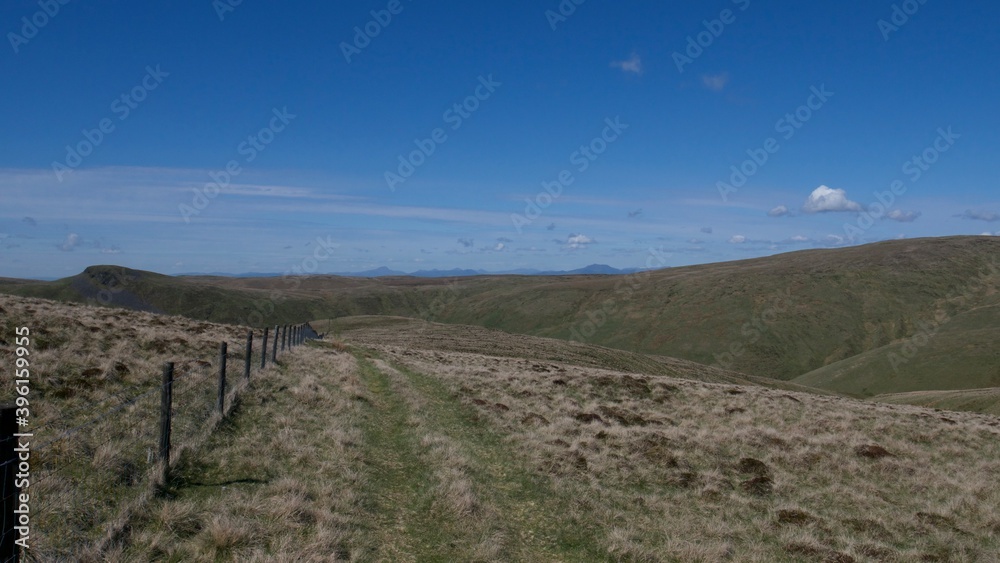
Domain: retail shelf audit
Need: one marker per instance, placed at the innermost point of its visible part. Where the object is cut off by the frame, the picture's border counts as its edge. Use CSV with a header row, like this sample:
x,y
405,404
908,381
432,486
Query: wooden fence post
x,y
166,404
222,378
284,336
263,351
274,350
246,363
9,551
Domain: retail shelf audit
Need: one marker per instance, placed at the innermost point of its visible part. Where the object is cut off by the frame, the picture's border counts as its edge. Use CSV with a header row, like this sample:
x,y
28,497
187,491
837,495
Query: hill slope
x,y
960,351
426,339
778,317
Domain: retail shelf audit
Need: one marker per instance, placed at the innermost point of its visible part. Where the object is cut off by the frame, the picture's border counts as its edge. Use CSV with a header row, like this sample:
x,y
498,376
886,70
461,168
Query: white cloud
x,y
800,238
578,241
633,65
825,199
903,216
737,239
989,234
71,242
780,211
715,82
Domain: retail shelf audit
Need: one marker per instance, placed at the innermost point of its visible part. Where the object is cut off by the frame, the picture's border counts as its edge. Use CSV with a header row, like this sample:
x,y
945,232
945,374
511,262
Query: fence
x,y
82,486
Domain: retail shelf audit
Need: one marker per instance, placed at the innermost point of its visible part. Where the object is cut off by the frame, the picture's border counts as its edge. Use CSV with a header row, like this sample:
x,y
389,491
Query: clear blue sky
x,y
309,117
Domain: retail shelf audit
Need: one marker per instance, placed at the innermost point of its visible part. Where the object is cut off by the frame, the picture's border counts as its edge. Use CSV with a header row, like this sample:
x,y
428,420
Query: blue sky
x,y
212,137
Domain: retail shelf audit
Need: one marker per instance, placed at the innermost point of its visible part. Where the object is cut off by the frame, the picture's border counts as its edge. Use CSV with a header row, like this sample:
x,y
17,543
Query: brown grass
x,y
415,453
681,470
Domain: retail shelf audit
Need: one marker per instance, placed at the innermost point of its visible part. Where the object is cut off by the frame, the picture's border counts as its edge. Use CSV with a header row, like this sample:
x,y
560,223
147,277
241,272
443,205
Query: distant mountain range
x,y
593,269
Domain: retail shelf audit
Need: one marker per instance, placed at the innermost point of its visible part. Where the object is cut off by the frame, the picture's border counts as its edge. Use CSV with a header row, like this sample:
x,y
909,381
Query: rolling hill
x,y
842,311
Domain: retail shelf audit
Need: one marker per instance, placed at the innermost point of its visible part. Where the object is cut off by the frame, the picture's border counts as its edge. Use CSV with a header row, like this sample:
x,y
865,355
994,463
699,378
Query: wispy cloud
x,y
903,216
466,242
737,239
715,82
780,211
987,216
633,64
71,242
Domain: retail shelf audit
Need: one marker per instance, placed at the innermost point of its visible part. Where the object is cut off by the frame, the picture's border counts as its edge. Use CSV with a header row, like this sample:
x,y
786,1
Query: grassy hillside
x,y
94,408
427,339
417,441
777,317
388,452
950,351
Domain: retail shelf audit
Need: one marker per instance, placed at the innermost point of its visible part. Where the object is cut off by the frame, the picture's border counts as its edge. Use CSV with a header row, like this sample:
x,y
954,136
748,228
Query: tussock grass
x,y
665,469
375,449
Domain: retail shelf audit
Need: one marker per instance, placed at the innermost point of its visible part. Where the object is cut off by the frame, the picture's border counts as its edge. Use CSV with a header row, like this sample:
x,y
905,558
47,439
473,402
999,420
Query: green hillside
x,y
951,352
779,317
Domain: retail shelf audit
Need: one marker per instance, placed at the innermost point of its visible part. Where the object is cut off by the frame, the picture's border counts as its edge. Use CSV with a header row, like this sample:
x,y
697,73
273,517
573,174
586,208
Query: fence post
x,y
246,364
166,404
222,378
263,351
9,551
274,349
284,336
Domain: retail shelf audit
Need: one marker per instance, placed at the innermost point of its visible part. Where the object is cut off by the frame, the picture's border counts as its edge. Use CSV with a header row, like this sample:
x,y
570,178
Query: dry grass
x,y
281,482
94,451
679,470
404,453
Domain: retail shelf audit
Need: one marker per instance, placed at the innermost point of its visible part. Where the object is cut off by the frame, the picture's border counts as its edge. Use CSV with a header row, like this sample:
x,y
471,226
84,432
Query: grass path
x,y
343,456
447,488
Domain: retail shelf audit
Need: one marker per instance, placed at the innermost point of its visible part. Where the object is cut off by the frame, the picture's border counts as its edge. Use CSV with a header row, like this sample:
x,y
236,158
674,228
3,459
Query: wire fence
x,y
91,469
